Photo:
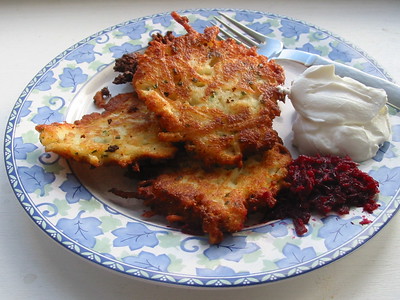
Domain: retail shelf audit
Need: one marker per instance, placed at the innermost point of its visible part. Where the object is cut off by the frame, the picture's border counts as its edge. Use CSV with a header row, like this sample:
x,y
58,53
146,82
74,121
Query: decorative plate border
x,y
41,217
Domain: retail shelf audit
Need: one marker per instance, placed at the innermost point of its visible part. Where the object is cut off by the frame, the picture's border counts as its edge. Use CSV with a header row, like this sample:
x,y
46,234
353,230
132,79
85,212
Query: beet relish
x,y
324,184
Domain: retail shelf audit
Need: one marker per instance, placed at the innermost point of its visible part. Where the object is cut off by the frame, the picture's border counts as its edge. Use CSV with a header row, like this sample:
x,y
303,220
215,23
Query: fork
x,y
273,49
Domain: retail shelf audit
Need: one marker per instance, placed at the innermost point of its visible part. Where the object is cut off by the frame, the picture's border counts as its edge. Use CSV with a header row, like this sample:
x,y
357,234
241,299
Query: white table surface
x,y
33,266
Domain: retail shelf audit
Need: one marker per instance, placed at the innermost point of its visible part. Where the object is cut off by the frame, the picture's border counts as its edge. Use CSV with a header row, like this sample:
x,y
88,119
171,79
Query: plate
x,y
72,205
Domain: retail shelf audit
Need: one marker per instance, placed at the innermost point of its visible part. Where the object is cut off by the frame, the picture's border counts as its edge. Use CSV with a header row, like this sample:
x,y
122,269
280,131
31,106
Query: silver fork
x,y
273,49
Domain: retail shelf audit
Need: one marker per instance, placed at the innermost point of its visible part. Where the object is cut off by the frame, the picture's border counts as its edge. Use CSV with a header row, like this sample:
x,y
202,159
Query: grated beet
x,y
324,184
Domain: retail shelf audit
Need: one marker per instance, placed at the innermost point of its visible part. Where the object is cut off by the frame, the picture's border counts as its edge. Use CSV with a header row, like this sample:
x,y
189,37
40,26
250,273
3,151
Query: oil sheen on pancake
x,y
217,200
123,134
216,96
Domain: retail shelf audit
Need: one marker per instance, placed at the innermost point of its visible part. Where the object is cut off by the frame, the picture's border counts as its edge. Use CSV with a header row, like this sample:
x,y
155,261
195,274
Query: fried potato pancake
x,y
124,133
217,200
216,96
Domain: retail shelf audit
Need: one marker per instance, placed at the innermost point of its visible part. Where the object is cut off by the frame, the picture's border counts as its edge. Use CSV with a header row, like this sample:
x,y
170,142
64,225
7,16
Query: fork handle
x,y
392,90
308,59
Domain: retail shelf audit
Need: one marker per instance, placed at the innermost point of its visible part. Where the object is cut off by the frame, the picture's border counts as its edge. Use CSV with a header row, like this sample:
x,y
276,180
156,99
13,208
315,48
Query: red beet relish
x,y
324,184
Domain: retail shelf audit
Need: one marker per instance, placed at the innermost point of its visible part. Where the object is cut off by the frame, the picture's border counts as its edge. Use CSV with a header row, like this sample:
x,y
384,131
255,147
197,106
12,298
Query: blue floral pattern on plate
x,y
74,208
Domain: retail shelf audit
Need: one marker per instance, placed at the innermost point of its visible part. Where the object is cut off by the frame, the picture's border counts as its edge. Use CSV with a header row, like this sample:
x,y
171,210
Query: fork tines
x,y
237,35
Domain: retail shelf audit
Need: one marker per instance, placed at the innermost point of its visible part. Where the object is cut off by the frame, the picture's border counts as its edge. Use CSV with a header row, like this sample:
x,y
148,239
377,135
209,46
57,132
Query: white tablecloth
x,y
33,266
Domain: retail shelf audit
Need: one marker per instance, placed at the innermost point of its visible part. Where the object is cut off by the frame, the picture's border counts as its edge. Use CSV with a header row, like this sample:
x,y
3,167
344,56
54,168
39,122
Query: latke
x,y
216,96
123,134
217,200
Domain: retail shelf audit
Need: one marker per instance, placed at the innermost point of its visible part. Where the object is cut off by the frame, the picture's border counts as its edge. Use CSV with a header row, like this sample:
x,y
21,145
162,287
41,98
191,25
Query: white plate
x,y
71,202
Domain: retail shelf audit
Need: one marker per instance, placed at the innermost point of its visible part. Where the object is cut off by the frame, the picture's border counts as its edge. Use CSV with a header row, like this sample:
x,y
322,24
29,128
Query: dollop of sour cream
x,y
338,116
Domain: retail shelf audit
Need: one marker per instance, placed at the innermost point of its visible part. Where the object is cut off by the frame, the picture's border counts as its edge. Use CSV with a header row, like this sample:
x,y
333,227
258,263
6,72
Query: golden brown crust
x,y
218,97
124,133
217,200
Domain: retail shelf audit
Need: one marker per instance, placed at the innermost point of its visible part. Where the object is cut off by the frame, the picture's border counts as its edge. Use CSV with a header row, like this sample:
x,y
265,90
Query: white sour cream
x,y
338,116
